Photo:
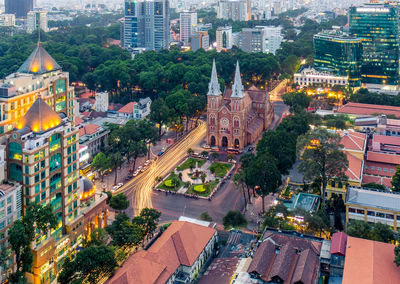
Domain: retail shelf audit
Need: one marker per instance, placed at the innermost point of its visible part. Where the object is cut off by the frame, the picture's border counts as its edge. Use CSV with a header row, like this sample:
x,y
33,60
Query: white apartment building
x,y
272,38
7,20
224,38
236,10
309,76
36,20
188,23
102,102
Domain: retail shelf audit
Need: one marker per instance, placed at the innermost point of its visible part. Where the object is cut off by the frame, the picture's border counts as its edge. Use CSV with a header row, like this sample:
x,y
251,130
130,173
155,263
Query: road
x,y
139,190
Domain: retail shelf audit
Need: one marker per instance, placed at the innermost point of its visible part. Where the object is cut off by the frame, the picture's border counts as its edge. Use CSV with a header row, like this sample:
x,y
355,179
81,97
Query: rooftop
x,y
373,198
88,129
39,62
383,157
369,109
220,271
387,140
181,244
354,170
286,258
353,141
369,262
128,108
338,244
40,117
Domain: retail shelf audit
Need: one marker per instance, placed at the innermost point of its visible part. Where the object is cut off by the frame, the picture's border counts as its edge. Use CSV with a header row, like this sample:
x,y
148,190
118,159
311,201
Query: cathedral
x,y
237,117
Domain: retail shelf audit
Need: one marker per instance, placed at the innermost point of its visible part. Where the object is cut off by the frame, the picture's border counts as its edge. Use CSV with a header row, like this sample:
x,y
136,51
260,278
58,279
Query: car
x,y
206,147
214,149
120,184
128,177
114,188
160,153
139,168
147,162
143,169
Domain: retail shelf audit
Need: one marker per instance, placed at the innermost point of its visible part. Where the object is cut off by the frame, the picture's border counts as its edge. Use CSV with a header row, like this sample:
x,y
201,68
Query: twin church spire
x,y
214,88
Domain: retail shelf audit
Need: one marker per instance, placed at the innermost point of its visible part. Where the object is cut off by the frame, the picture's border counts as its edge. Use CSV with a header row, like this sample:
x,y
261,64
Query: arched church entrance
x,y
224,142
212,141
237,144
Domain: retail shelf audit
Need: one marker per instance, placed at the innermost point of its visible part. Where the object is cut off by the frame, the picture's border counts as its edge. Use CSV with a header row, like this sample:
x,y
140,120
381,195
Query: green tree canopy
x,y
234,219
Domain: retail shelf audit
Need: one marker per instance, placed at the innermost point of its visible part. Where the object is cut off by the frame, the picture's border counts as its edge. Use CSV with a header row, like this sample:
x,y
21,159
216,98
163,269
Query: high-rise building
x,y
200,40
251,40
19,8
272,38
339,54
188,23
39,76
37,20
7,20
224,38
236,10
378,27
146,24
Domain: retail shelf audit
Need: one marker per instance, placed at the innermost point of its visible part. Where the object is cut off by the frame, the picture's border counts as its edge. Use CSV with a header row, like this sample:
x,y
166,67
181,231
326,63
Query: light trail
x,y
140,189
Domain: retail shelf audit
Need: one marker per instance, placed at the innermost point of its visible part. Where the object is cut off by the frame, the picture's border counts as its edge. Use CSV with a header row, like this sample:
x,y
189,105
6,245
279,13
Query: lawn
x,y
200,189
220,169
190,162
167,185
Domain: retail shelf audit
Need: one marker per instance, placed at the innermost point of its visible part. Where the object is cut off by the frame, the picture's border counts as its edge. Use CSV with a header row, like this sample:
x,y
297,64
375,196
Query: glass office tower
x,y
339,54
378,27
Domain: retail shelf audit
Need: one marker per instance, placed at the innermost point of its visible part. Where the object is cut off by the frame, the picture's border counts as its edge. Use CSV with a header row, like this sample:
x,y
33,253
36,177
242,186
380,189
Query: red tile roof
x,y
181,244
128,108
369,109
354,170
385,181
115,107
78,120
220,271
369,262
88,129
285,258
387,140
353,140
383,157
338,245
87,95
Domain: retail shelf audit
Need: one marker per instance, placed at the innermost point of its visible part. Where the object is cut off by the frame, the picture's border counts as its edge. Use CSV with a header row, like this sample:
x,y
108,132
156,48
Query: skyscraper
x,y
236,10
188,23
224,38
19,8
378,27
339,54
146,24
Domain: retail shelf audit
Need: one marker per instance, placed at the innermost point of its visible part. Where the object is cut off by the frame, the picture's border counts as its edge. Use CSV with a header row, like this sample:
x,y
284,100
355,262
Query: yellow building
x,y
354,146
39,76
372,206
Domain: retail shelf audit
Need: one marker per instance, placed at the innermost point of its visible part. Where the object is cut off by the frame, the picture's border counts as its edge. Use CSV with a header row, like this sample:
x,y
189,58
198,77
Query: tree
x,y
396,180
190,151
234,219
382,233
92,264
159,113
22,233
214,155
119,202
239,181
136,149
101,163
296,100
205,216
148,220
397,255
262,174
125,233
116,161
359,229
230,157
98,237
321,157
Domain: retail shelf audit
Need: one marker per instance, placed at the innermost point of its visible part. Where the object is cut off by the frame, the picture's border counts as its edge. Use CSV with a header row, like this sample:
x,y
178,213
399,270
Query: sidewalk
x,y
254,209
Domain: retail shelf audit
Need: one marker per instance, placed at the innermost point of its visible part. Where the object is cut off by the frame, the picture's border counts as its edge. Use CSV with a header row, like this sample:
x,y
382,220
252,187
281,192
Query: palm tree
x,y
116,160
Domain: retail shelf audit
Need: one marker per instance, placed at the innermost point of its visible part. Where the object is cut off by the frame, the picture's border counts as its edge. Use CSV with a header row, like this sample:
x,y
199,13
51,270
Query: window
x,y
43,195
9,210
352,210
37,198
370,213
43,185
380,214
43,175
378,169
360,211
2,225
9,200
15,151
37,178
389,216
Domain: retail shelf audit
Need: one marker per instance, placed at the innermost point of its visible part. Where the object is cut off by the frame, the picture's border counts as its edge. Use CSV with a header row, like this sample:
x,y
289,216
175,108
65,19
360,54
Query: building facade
x,y
7,20
37,20
200,40
378,27
236,10
310,76
10,211
338,54
146,24
187,24
19,8
102,102
39,76
224,38
237,117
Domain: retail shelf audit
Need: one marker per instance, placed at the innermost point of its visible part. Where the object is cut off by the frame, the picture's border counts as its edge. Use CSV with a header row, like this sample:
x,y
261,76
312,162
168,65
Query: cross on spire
x,y
214,88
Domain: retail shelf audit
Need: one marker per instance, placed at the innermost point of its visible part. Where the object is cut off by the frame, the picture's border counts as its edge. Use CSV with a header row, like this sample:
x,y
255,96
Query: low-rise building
x,y
175,257
286,258
94,137
372,206
10,211
355,110
310,76
101,103
369,262
338,253
135,110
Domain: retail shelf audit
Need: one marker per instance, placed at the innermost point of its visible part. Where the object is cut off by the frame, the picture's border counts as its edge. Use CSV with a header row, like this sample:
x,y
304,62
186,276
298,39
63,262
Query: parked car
x,y
214,149
143,169
139,168
206,147
114,188
120,184
148,162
